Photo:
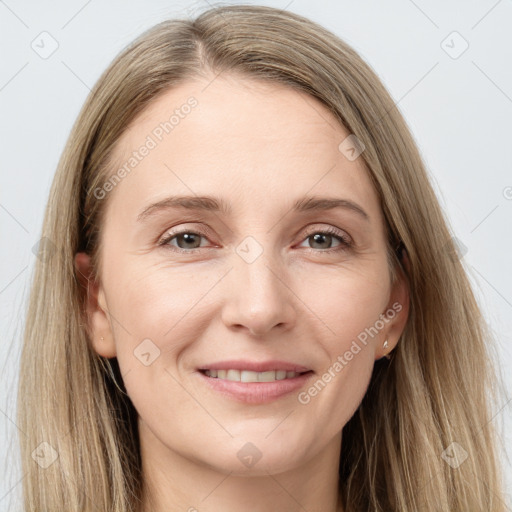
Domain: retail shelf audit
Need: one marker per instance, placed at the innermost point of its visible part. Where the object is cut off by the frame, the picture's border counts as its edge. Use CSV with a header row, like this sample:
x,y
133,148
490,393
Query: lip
x,y
255,366
255,392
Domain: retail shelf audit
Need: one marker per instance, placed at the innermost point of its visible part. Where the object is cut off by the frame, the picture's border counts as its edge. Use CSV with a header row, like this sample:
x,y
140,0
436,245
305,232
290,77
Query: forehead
x,y
245,139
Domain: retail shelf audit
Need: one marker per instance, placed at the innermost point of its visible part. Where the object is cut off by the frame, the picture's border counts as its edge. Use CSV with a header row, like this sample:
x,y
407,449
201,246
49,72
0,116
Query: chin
x,y
263,467
253,458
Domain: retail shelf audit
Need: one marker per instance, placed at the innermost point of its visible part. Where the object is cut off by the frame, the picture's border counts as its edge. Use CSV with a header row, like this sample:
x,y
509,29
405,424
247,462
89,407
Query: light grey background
x,y
457,106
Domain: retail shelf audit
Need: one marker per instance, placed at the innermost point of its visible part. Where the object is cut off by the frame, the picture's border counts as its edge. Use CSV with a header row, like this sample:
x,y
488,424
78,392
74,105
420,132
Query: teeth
x,y
232,374
248,376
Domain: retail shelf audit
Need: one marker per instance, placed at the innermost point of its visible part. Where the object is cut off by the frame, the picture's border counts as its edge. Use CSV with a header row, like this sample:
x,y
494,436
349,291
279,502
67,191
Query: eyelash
x,y
345,241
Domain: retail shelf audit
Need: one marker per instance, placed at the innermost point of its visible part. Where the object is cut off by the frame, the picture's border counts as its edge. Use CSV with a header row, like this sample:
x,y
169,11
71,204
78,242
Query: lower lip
x,y
256,392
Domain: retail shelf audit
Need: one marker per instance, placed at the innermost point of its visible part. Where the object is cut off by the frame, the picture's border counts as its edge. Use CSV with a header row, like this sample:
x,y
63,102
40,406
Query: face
x,y
252,275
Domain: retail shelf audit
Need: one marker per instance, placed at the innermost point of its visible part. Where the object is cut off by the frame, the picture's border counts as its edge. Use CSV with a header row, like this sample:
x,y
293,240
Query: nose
x,y
258,298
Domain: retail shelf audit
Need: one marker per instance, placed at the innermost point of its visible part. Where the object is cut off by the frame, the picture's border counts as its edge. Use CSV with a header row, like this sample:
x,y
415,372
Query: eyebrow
x,y
213,204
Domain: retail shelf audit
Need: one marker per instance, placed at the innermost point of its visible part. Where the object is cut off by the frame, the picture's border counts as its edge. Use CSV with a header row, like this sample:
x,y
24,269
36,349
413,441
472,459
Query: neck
x,y
175,482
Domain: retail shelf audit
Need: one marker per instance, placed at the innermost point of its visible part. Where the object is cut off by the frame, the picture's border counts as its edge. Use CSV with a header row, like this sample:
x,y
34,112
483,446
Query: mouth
x,y
248,386
235,375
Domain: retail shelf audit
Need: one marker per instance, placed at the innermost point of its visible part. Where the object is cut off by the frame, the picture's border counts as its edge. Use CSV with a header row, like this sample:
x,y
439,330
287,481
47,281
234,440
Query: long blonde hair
x,y
436,389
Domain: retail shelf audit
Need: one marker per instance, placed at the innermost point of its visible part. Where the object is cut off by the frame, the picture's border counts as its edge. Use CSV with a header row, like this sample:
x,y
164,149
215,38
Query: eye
x,y
185,239
326,237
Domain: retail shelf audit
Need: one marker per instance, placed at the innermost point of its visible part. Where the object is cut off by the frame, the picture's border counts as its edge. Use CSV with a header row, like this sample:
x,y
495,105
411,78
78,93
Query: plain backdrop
x,y
446,64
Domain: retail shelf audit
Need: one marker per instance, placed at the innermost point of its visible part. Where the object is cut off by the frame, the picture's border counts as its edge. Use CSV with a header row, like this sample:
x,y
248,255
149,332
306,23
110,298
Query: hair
x,y
437,387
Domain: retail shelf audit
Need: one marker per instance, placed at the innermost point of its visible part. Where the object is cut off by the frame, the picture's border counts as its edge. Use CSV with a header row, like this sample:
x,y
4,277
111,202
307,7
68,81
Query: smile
x,y
250,376
269,386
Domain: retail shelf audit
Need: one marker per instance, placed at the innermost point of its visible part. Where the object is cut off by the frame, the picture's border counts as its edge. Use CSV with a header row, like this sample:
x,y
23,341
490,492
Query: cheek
x,y
334,397
157,309
348,304
351,325
150,298
154,320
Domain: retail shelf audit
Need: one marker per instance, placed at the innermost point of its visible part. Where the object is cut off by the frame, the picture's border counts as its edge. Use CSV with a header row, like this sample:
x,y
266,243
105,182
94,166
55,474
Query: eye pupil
x,y
189,239
318,237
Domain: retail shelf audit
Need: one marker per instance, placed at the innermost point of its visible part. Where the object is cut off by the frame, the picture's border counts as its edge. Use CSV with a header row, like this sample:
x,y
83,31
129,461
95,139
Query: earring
x,y
385,346
101,338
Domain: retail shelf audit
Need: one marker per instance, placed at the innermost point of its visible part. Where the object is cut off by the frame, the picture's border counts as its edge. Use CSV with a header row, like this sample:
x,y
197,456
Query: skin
x,y
259,147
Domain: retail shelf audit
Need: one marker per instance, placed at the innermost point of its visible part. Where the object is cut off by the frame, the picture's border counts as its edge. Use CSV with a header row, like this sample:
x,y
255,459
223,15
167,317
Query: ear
x,y
399,304
98,324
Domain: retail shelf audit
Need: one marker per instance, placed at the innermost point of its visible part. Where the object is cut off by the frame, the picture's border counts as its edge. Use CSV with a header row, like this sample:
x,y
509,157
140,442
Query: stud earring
x,y
385,346
101,338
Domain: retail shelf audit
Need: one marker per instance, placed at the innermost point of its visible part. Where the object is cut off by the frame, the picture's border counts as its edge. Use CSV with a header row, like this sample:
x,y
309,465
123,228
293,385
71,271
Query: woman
x,y
208,161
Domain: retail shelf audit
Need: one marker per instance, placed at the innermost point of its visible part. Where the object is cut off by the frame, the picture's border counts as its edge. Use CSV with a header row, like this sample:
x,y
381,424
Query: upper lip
x,y
255,366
